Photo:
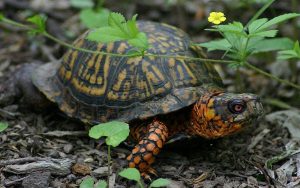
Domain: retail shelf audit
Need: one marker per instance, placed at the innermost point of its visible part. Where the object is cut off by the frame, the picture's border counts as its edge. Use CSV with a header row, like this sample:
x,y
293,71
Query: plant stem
x,y
82,49
17,24
108,161
140,184
294,22
260,12
271,76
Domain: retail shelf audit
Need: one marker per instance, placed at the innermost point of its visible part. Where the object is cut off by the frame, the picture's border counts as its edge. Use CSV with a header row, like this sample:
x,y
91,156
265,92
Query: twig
x,y
20,160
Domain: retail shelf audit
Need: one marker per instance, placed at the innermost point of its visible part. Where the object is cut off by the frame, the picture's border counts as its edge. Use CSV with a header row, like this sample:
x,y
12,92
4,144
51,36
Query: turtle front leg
x,y
150,144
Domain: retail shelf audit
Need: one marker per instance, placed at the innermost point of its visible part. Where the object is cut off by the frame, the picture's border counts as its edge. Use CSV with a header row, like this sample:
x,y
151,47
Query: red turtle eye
x,y
236,106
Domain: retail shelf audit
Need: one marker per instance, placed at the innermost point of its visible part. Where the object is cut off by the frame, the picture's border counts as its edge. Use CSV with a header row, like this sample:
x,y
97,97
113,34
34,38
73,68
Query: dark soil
x,y
44,148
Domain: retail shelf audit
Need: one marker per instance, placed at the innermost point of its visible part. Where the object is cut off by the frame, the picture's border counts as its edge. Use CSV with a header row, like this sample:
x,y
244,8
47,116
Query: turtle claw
x,y
149,174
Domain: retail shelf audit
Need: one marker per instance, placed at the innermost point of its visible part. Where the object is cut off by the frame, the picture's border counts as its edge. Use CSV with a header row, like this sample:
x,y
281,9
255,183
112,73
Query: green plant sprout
x,y
240,42
134,174
115,133
89,183
119,29
290,54
3,126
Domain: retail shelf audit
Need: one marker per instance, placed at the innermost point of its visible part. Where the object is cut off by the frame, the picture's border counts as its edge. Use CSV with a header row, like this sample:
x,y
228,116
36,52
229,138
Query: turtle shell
x,y
98,88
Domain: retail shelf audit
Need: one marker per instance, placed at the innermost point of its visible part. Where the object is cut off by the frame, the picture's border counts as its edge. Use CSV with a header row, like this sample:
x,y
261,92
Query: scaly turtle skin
x,y
158,97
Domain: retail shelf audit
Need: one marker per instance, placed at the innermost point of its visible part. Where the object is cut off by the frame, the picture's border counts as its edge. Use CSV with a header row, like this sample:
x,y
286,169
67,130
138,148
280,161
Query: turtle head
x,y
220,114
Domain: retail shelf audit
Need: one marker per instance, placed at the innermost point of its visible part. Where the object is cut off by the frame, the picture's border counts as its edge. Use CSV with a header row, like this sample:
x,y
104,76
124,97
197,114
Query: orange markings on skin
x,y
217,118
155,151
158,131
150,147
143,166
137,159
131,165
136,149
148,156
151,160
129,157
153,137
159,143
142,150
163,137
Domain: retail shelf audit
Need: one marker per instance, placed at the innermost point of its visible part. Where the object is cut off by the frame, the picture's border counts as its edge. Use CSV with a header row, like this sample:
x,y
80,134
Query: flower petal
x,y
213,14
217,22
220,14
211,19
223,19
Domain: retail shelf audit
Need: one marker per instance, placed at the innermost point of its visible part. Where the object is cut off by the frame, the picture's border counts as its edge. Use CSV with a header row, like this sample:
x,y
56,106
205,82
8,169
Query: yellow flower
x,y
216,17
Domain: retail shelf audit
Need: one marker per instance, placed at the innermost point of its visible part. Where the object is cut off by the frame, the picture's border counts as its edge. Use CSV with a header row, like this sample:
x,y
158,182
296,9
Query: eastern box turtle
x,y
159,97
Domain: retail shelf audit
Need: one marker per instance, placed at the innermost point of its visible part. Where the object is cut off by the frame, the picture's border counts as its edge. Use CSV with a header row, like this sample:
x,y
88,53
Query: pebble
x,y
68,148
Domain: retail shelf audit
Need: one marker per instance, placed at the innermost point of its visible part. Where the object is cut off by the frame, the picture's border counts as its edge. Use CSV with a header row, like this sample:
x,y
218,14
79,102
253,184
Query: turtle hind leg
x,y
20,87
149,146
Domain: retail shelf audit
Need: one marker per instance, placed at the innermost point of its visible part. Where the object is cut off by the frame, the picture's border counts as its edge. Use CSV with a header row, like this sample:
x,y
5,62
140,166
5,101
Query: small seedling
x,y
39,22
89,183
119,29
3,126
134,174
115,133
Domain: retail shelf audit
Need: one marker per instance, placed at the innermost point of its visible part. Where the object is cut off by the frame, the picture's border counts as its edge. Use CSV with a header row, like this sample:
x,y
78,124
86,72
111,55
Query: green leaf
x,y
87,183
140,41
94,18
117,20
118,29
231,27
278,20
131,174
235,28
287,54
40,23
267,45
290,54
132,27
82,4
106,35
297,48
269,33
256,25
160,182
1,17
3,126
101,184
222,44
237,41
116,132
